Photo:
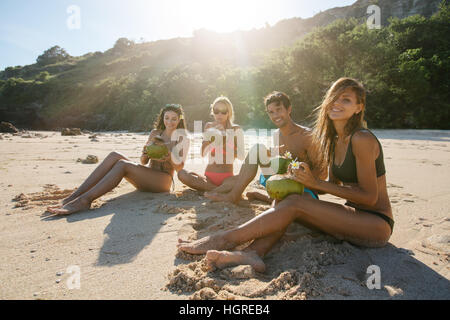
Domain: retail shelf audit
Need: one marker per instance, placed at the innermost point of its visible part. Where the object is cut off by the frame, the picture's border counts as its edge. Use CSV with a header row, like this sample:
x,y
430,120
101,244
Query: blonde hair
x,y
324,131
229,106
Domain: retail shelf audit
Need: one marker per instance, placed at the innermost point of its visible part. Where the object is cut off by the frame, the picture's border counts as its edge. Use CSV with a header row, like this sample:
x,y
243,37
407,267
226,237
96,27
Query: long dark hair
x,y
324,130
178,109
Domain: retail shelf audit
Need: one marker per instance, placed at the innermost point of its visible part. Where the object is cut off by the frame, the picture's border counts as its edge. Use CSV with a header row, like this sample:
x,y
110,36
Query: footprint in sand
x,y
396,198
204,223
391,185
438,243
51,195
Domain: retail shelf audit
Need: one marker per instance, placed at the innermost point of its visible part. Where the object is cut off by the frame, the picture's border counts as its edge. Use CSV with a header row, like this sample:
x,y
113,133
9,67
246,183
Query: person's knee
x,y
116,156
123,165
257,154
294,203
291,200
258,146
183,176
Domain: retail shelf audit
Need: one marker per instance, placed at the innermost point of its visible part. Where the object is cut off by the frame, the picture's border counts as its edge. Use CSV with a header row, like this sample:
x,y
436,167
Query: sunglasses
x,y
216,112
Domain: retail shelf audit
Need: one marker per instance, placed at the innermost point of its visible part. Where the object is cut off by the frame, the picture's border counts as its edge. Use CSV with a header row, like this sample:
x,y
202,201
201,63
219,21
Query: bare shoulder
x,y
304,133
303,130
363,141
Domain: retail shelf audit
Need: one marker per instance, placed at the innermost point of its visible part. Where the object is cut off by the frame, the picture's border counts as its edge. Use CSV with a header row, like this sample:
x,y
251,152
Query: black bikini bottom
x,y
381,215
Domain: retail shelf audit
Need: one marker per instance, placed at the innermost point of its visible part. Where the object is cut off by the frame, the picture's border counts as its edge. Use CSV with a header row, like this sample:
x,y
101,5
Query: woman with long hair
x,y
221,152
156,176
354,157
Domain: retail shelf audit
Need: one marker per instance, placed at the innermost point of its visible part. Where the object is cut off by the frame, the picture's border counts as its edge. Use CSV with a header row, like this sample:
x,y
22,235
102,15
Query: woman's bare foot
x,y
258,196
224,259
64,202
223,188
69,199
201,246
222,197
79,204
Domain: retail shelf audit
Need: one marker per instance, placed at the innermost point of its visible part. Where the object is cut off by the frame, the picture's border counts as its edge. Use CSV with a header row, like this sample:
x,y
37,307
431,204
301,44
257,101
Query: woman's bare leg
x,y
195,181
226,186
101,170
246,175
340,221
252,255
142,177
257,195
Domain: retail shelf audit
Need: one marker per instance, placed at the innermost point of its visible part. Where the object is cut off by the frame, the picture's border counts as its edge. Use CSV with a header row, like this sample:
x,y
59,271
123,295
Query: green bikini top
x,y
346,172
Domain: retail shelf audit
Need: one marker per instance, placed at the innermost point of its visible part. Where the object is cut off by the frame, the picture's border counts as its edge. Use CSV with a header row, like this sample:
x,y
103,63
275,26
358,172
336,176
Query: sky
x,y
29,27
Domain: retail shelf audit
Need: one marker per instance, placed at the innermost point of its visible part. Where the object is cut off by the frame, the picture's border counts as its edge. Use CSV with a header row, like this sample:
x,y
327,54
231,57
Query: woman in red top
x,y
221,152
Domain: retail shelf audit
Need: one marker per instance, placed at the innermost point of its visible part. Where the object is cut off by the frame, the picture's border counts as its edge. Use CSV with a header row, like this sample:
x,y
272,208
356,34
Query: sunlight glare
x,y
223,16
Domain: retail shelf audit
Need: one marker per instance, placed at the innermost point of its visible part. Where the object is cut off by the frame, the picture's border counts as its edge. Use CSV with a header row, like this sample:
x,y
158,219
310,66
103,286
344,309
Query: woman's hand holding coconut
x,y
300,171
158,150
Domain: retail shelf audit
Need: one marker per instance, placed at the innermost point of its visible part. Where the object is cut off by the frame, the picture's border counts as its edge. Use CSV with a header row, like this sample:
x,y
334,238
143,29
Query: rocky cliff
x,y
389,9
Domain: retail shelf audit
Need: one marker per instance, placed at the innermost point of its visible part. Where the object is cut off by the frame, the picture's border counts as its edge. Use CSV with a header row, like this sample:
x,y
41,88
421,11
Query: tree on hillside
x,y
43,76
123,44
53,55
11,72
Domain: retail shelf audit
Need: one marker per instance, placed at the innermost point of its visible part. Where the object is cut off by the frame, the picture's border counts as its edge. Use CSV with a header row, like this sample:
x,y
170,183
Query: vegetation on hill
x,y
405,66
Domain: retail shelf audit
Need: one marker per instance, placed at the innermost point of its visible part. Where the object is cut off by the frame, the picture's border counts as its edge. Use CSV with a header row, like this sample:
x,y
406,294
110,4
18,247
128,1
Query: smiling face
x,y
171,120
278,114
345,106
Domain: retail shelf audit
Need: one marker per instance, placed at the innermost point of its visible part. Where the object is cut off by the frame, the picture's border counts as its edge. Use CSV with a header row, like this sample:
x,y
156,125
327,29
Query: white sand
x,y
126,248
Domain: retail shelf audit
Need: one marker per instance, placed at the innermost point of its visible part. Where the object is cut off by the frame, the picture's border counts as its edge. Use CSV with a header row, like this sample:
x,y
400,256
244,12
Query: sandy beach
x,y
125,246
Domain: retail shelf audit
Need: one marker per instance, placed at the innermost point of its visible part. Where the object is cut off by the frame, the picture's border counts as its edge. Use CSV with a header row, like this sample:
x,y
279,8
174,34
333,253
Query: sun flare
x,y
223,16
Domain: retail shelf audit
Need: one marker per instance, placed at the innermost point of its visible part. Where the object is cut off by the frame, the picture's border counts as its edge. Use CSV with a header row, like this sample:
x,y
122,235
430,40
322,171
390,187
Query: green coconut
x,y
157,151
280,186
281,164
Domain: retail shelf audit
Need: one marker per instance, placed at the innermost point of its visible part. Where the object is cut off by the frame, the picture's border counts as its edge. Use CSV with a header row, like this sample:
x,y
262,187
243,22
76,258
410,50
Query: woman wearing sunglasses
x,y
156,176
221,151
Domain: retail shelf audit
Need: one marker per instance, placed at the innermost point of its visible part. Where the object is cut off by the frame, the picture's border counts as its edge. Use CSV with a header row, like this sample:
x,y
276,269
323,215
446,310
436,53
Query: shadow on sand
x,y
134,224
132,227
401,275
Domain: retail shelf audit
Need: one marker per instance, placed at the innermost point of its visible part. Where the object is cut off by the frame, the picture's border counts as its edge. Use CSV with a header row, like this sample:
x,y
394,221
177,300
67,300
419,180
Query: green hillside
x,y
405,65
